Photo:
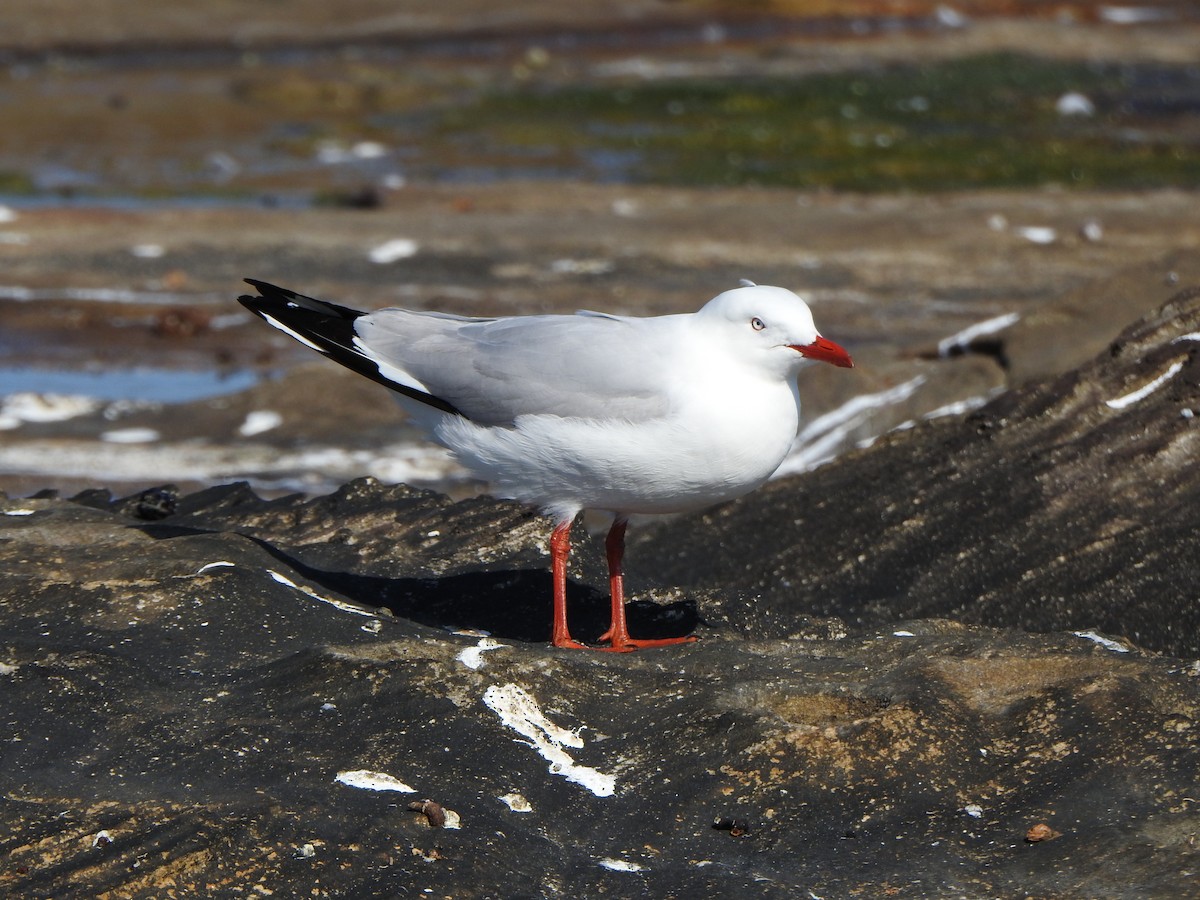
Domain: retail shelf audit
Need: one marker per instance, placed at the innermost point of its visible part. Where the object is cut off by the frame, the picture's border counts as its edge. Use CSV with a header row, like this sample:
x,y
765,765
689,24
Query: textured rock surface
x,y
184,681
1062,504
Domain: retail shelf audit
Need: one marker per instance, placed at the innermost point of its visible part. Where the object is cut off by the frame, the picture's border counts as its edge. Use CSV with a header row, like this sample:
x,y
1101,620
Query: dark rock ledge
x,y
184,682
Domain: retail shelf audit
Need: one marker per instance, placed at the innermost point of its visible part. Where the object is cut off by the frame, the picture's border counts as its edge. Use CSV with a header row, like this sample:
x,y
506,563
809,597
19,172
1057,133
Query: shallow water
x,y
156,385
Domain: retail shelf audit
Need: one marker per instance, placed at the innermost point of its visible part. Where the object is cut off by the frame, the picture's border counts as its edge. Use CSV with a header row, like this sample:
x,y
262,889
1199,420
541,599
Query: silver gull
x,y
624,414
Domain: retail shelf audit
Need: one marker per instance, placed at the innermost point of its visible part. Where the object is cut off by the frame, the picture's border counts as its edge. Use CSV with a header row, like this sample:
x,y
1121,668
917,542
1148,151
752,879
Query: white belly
x,y
686,461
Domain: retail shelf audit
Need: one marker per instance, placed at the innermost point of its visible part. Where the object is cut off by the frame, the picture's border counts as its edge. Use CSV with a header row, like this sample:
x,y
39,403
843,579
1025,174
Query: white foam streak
x,y
1146,390
961,407
821,439
25,406
261,464
23,294
959,341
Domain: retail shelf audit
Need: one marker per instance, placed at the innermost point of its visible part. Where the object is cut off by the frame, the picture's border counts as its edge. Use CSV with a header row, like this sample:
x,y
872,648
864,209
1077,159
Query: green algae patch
x,y
999,120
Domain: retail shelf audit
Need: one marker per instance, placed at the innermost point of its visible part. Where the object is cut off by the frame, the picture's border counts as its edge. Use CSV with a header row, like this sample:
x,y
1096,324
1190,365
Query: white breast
x,y
724,441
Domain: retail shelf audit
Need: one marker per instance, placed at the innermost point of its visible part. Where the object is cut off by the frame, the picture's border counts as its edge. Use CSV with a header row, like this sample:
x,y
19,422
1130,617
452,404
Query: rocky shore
x,y
958,662
256,640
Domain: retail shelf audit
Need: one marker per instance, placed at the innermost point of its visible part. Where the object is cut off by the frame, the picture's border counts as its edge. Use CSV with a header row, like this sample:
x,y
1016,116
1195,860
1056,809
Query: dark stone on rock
x,y
234,696
152,504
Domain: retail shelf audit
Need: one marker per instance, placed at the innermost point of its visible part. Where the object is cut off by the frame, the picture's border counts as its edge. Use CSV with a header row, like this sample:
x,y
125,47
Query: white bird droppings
x,y
472,657
516,802
620,865
373,781
520,712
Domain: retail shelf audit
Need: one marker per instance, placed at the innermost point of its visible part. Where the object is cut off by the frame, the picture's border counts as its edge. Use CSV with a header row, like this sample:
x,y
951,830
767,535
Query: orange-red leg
x,y
614,550
618,632
560,551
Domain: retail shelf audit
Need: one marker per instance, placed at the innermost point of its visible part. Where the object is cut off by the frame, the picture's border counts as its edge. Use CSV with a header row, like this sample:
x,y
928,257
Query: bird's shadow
x,y
512,604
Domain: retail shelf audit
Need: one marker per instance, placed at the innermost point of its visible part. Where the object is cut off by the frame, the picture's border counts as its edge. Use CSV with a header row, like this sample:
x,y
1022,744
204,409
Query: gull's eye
x,y
757,324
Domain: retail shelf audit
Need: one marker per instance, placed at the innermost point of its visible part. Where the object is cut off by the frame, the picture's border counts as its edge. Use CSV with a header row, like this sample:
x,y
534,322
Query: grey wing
x,y
493,370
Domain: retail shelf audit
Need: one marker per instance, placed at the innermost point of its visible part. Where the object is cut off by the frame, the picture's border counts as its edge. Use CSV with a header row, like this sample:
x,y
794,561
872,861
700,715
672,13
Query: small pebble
x,y
431,810
736,827
1040,832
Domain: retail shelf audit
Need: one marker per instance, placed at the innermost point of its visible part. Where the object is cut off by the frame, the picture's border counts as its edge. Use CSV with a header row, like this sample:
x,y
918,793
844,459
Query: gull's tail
x,y
328,329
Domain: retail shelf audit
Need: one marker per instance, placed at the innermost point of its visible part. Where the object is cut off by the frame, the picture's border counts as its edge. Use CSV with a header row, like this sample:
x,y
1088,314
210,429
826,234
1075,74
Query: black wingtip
x,y
272,295
329,329
267,290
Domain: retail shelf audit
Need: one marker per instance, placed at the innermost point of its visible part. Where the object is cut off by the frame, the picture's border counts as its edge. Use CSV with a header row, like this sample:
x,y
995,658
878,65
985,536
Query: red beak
x,y
826,351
